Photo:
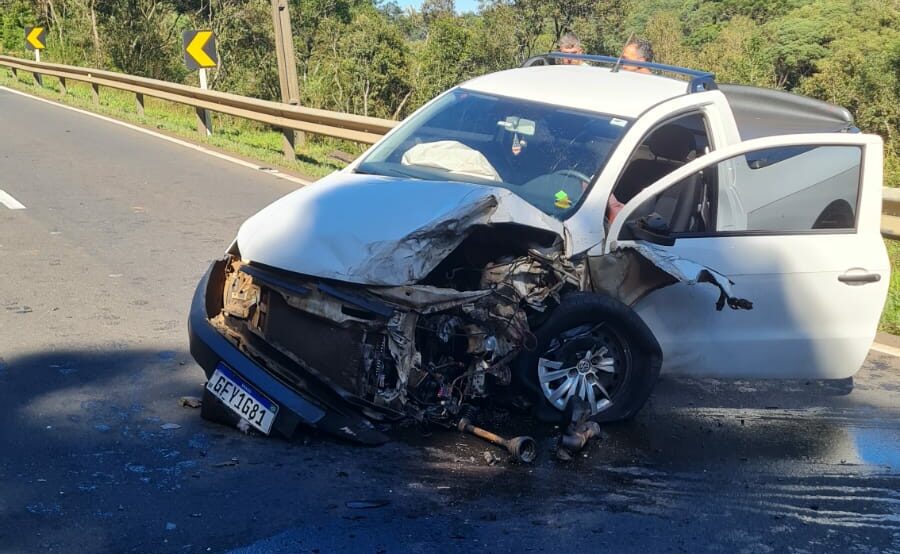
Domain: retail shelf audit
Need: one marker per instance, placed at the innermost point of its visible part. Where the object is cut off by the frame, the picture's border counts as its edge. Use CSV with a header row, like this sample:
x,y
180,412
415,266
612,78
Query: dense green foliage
x,y
376,59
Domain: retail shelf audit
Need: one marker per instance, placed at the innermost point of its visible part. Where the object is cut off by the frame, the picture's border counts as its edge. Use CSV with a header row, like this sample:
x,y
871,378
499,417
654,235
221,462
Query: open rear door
x,y
794,222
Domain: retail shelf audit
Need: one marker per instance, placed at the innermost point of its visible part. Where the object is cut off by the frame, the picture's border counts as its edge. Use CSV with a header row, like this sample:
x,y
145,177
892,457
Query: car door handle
x,y
859,278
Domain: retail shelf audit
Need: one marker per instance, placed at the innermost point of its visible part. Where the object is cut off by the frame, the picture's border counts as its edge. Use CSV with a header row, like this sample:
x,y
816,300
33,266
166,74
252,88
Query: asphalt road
x,y
96,276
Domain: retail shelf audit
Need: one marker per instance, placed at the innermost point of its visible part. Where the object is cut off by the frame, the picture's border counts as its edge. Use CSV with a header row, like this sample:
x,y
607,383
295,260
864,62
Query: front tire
x,y
592,351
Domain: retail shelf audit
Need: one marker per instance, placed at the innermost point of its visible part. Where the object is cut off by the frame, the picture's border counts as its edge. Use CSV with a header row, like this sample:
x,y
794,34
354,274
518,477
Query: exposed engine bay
x,y
419,351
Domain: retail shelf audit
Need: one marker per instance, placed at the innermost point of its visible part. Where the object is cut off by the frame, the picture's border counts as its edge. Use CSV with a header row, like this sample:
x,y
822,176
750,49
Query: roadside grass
x,y
244,138
890,318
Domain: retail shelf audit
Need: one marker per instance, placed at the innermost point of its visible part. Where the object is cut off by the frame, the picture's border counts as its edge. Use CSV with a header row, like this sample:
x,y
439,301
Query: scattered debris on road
x,y
523,449
576,438
190,402
491,458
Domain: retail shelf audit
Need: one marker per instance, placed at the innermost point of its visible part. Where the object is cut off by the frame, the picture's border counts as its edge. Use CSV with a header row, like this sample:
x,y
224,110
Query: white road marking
x,y
7,200
885,349
191,145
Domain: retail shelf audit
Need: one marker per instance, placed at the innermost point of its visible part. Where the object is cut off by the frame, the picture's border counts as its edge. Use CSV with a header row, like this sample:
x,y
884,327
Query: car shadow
x,y
104,454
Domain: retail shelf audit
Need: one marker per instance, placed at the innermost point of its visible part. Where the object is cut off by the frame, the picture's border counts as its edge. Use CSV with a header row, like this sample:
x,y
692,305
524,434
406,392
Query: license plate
x,y
243,399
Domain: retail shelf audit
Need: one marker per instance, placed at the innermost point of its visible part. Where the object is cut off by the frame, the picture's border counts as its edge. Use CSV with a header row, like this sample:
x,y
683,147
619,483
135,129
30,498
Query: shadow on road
x,y
99,452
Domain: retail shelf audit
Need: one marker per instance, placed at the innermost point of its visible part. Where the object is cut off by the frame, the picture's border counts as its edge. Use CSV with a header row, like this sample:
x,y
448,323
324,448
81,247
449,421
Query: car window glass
x,y
548,155
807,188
662,151
770,156
813,188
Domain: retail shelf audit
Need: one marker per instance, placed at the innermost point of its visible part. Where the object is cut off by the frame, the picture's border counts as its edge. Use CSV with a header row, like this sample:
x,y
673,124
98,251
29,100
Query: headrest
x,y
672,142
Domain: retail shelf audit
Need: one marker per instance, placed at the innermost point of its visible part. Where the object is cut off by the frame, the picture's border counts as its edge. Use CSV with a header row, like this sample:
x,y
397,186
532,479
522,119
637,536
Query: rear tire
x,y
593,348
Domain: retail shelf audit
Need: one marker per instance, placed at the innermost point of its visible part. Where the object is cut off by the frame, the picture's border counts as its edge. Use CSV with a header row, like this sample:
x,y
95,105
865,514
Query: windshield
x,y
548,155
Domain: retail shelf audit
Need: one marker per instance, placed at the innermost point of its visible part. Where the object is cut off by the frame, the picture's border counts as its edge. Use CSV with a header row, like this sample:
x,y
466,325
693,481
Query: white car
x,y
552,237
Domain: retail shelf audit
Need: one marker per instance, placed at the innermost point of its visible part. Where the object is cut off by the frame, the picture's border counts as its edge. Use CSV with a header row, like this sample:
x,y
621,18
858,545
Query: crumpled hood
x,y
377,230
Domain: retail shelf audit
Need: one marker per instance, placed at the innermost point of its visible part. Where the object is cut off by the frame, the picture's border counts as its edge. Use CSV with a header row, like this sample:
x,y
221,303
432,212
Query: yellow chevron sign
x,y
200,49
35,37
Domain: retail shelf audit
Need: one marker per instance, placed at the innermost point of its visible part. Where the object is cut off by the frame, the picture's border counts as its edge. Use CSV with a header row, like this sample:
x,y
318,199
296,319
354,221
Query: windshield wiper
x,y
384,171
361,169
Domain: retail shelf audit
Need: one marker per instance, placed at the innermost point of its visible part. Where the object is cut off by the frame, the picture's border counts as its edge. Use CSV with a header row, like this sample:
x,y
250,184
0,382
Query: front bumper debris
x,y
296,409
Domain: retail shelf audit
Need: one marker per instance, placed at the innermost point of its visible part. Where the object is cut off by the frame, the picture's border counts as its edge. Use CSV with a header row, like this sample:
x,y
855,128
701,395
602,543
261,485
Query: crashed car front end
x,y
313,406
409,315
404,317
380,354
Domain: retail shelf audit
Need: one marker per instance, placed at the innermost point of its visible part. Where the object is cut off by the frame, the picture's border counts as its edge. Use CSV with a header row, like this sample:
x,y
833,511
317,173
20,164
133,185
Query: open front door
x,y
794,222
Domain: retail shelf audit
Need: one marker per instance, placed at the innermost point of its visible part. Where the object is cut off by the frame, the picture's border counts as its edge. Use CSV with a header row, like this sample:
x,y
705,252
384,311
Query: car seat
x,y
672,146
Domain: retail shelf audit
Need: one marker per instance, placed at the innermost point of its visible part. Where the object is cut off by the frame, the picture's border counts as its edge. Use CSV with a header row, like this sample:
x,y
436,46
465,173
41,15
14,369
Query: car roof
x,y
761,112
583,87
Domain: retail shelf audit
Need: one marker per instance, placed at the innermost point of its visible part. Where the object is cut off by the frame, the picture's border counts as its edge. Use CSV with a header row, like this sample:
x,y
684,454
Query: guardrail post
x,y
37,76
95,92
287,71
62,85
139,103
15,73
890,213
205,126
288,140
201,123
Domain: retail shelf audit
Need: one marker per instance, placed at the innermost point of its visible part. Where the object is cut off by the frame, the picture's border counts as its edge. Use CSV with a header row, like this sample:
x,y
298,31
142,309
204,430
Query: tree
x,y
433,9
448,56
246,45
862,75
310,17
13,18
360,67
738,54
664,31
142,38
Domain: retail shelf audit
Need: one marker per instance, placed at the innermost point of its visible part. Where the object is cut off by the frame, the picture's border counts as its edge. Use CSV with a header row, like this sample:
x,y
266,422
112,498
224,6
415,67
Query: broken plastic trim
x,y
374,307
267,278
691,273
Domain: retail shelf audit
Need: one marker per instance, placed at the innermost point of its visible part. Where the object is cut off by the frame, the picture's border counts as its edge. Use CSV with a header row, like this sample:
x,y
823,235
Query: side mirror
x,y
652,228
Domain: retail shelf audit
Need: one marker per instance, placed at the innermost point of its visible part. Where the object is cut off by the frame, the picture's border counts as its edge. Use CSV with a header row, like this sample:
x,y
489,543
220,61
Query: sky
x,y
461,5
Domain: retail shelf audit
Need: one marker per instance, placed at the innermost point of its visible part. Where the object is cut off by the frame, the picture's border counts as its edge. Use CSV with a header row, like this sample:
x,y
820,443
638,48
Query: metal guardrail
x,y
890,213
356,128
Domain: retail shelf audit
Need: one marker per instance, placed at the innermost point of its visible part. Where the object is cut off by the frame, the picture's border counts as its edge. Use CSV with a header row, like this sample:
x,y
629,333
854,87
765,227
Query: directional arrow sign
x,y
35,37
200,49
